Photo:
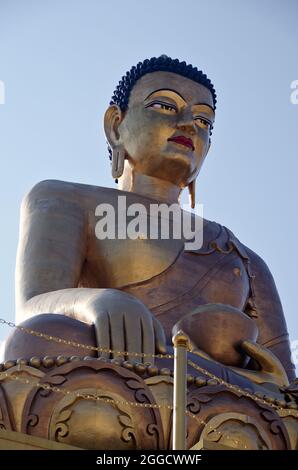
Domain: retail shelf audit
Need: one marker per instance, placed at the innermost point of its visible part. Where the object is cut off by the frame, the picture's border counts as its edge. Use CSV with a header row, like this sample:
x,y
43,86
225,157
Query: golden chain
x,y
66,392
112,401
235,388
46,386
134,354
57,339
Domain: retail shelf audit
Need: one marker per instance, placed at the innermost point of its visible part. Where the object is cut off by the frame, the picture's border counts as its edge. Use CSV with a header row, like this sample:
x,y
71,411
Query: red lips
x,y
180,139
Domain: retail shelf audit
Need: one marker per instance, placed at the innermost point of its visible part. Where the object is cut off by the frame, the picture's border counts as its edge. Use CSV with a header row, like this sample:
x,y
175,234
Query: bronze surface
x,y
131,295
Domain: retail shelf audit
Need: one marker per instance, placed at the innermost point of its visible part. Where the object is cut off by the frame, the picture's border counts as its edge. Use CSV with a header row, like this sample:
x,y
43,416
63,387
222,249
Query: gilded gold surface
x,y
131,296
236,431
80,422
162,390
18,394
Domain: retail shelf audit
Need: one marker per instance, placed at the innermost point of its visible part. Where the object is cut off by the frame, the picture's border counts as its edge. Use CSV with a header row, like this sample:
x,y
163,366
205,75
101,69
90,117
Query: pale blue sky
x,y
60,61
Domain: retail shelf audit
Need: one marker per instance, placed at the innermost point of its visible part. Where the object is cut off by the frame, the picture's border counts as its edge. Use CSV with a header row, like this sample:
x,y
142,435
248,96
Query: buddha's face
x,y
166,128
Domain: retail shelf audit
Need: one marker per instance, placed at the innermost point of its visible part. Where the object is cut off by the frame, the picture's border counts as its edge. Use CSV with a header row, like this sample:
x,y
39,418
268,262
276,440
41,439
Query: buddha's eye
x,y
203,123
164,106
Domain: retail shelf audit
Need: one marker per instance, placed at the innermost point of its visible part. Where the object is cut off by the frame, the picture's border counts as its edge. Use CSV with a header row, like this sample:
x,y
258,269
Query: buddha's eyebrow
x,y
176,92
205,104
164,89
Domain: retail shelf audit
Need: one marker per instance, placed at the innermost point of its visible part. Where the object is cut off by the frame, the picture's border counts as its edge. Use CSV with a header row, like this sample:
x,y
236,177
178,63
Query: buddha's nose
x,y
186,123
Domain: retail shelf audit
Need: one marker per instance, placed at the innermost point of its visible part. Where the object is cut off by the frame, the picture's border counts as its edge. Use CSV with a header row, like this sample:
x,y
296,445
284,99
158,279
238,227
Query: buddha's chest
x,y
128,243
115,263
194,280
160,273
215,278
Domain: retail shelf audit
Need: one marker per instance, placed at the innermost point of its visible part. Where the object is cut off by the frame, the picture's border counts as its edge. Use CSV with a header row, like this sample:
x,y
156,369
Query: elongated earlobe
x,y
118,157
192,193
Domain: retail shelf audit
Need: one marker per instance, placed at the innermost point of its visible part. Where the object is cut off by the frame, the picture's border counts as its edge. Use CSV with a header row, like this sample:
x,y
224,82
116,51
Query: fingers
x,y
135,331
266,359
160,337
133,335
116,333
148,346
102,332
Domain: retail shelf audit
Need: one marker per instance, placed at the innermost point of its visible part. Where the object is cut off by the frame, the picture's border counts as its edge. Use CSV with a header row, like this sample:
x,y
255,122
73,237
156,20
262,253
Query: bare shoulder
x,y
51,192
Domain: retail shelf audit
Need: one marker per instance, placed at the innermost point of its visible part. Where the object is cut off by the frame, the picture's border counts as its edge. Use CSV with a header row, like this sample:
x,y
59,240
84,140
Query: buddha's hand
x,y
123,323
271,369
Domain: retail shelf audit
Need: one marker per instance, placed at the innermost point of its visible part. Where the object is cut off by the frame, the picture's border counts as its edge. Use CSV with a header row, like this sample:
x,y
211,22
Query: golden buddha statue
x,y
130,295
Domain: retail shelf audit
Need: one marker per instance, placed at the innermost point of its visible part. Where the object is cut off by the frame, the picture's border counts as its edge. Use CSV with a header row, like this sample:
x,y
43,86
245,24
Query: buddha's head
x,y
160,120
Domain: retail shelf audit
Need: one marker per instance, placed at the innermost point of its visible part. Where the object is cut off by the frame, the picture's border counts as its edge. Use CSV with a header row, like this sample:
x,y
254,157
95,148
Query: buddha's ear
x,y
112,120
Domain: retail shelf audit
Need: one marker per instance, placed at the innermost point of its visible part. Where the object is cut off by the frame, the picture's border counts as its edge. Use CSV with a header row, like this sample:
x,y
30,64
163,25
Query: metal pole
x,y
181,342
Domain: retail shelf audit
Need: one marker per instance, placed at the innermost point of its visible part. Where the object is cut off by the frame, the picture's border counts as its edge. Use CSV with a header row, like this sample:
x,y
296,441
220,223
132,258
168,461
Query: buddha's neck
x,y
149,186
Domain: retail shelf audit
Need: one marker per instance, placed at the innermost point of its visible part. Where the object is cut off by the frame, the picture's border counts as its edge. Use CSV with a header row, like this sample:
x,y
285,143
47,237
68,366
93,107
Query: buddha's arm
x,y
270,320
51,252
